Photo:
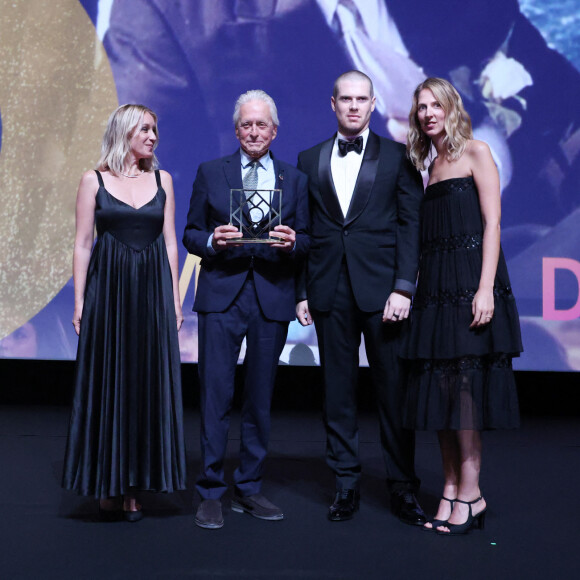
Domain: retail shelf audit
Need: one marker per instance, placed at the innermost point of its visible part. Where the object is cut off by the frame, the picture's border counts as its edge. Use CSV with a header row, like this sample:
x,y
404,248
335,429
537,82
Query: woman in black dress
x,y
126,429
464,327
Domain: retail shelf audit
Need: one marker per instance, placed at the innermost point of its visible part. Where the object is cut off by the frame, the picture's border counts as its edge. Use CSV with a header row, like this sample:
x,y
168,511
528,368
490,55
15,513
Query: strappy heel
x,y
472,521
435,523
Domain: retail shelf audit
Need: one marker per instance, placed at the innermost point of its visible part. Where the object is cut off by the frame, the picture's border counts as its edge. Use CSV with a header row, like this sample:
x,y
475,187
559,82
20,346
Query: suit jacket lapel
x,y
232,170
233,174
327,190
366,178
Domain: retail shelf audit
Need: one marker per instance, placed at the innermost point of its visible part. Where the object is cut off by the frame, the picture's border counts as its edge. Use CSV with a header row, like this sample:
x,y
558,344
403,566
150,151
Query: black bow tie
x,y
345,146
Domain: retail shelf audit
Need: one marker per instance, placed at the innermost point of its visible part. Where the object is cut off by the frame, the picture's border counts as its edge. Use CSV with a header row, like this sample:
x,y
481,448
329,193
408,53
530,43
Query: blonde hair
x,y
116,145
457,123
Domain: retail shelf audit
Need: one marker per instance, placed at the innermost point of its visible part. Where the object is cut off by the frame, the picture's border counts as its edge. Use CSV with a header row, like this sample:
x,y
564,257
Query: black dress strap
x,y
158,178
100,178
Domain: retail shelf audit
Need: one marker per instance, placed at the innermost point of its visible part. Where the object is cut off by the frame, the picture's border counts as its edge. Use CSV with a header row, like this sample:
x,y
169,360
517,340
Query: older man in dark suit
x,y
360,276
244,291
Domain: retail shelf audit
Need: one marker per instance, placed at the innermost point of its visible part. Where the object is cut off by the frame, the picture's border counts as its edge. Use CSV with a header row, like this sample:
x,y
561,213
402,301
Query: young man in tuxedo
x,y
359,278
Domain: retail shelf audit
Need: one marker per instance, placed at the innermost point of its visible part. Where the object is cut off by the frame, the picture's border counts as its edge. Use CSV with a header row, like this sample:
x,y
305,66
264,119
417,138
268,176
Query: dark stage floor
x,y
530,481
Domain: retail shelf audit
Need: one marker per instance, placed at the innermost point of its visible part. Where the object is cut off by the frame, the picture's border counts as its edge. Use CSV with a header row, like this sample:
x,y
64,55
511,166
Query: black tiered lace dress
x,y
126,422
459,378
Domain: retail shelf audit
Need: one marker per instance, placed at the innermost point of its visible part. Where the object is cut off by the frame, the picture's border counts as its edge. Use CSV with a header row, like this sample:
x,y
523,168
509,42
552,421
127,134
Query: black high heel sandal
x,y
472,521
435,523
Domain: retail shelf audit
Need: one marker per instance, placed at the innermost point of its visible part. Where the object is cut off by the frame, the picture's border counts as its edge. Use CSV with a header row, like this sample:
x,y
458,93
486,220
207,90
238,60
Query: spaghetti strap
x,y
100,178
158,178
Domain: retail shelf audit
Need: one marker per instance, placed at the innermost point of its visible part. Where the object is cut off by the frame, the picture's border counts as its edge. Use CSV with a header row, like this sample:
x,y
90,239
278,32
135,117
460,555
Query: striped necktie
x,y
250,185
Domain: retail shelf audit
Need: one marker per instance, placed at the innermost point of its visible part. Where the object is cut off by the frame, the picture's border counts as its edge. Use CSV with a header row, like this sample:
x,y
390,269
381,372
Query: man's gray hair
x,y
256,95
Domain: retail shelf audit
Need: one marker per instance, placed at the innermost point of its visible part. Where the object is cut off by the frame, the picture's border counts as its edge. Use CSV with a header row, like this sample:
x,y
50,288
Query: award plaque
x,y
255,213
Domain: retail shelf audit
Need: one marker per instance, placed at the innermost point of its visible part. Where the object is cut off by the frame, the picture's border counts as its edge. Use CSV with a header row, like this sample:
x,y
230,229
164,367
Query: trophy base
x,y
254,241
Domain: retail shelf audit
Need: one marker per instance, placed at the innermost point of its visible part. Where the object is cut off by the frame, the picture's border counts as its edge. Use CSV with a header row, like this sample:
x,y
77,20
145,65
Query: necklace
x,y
133,176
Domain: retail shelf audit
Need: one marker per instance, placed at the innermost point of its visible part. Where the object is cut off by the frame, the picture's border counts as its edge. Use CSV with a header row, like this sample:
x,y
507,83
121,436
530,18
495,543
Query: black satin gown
x,y
458,378
126,427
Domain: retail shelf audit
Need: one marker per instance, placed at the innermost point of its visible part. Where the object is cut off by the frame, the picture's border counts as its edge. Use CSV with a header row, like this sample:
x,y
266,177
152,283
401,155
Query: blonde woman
x,y
126,424
465,326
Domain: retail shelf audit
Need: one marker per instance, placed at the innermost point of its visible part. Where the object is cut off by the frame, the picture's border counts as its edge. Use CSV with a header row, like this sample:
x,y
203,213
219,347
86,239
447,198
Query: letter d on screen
x,y
549,267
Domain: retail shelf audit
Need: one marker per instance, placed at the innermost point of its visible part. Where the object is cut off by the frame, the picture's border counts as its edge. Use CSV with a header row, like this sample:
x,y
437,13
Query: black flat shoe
x,y
346,502
406,507
133,516
477,521
436,523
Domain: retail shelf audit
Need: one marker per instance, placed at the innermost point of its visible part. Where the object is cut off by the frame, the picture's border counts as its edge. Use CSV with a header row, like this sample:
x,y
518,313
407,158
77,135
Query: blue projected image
x,y
559,24
515,63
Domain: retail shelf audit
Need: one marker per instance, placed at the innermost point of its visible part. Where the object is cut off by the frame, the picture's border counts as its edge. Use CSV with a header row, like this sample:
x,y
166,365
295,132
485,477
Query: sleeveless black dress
x,y
126,427
458,378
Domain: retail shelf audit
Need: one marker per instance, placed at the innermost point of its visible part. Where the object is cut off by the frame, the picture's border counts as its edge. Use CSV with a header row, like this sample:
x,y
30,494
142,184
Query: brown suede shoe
x,y
209,514
258,506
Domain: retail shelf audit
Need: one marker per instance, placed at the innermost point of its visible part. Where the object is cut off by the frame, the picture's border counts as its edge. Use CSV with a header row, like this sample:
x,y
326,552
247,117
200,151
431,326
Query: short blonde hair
x,y
116,145
458,129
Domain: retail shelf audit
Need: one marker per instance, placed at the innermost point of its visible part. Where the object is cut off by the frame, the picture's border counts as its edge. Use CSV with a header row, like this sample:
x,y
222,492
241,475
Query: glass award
x,y
255,213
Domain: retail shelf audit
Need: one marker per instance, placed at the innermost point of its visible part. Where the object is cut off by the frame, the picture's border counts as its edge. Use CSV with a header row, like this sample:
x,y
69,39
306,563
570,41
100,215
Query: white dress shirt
x,y
266,176
345,170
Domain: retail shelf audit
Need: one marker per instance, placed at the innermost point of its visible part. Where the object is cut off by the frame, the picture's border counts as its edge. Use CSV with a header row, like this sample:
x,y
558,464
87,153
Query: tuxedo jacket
x,y
379,237
223,274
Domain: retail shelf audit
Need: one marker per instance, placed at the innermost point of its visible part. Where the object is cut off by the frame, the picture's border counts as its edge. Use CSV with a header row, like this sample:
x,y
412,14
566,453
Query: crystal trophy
x,y
255,213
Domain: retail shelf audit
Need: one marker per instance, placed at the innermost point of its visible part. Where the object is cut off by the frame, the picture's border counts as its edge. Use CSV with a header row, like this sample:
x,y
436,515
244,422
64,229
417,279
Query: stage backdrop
x,y
66,64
